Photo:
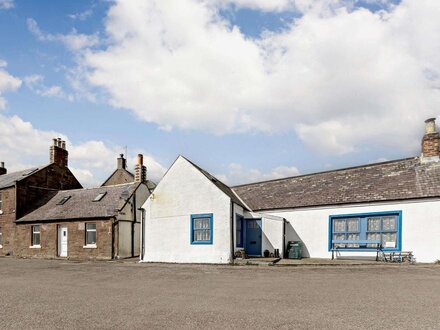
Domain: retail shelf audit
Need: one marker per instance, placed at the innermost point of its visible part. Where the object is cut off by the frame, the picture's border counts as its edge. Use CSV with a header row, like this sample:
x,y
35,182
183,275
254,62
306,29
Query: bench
x,y
364,245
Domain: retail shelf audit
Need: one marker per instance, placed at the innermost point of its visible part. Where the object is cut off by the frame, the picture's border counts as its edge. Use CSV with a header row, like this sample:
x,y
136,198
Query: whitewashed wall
x,y
184,191
272,236
420,227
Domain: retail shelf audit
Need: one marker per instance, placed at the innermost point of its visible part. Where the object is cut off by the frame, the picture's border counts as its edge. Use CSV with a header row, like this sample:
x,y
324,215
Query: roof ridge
x,y
329,171
100,187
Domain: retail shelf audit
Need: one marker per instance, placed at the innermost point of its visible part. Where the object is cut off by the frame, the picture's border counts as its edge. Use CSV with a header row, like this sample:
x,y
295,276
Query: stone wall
x,y
76,249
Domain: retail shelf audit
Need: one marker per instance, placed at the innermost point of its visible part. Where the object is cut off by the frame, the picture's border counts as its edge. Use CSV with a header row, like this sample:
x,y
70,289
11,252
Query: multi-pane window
x,y
378,227
90,233
36,235
1,237
383,229
239,230
201,229
346,229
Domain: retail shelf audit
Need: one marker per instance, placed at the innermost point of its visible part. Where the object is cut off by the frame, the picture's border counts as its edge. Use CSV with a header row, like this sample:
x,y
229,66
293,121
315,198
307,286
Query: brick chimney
x,y
58,153
122,162
140,171
430,142
3,170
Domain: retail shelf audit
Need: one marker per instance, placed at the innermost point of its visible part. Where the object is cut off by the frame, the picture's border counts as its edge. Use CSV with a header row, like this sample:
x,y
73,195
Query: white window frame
x,y
87,230
35,232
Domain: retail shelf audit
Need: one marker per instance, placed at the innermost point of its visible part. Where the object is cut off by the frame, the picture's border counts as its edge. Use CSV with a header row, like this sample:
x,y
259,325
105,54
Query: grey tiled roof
x,y
223,187
395,180
80,205
8,180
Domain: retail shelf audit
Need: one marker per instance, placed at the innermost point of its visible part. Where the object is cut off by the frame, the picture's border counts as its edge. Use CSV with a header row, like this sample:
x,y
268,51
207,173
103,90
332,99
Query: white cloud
x,y
74,41
36,84
6,4
237,174
344,79
25,146
7,83
81,16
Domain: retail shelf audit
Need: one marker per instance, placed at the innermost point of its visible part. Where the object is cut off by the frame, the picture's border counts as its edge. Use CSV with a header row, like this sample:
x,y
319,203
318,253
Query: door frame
x,y
60,228
260,238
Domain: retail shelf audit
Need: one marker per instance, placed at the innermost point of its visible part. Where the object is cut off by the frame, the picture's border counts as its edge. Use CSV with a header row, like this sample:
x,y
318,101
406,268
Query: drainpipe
x,y
232,232
113,237
283,254
142,232
133,223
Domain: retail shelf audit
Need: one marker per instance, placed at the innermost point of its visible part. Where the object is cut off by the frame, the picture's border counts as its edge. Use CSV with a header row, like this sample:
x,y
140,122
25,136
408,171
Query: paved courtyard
x,y
45,294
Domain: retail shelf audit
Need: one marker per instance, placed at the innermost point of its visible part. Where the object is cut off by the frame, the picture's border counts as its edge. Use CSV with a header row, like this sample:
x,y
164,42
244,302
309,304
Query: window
x,y
90,233
36,235
63,200
239,230
1,237
201,228
100,196
1,203
384,227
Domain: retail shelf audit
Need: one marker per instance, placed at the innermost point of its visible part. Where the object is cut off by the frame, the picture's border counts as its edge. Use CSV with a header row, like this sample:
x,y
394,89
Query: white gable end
x,y
184,192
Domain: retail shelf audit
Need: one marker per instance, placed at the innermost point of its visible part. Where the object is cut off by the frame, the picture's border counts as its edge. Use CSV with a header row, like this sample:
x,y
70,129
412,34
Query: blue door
x,y
253,237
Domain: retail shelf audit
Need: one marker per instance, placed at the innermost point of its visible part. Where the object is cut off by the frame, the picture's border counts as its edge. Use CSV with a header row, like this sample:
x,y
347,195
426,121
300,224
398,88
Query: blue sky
x,y
248,89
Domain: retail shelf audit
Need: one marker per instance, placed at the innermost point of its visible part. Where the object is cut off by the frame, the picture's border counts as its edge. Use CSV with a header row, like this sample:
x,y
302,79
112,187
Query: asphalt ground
x,y
53,294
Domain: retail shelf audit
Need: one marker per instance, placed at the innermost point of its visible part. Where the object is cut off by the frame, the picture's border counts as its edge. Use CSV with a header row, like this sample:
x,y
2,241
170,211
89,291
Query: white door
x,y
62,241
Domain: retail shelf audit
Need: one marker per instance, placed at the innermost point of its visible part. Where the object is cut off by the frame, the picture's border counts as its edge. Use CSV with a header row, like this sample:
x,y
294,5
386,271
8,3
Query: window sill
x,y
89,246
35,247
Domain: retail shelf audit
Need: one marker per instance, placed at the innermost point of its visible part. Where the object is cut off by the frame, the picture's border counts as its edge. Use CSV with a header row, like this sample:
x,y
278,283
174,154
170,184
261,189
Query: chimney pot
x,y
140,159
3,170
122,162
430,126
140,171
430,142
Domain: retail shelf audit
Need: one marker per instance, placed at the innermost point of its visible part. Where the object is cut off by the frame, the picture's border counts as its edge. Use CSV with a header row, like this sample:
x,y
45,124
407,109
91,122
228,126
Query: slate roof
x,y
8,180
80,205
387,181
223,187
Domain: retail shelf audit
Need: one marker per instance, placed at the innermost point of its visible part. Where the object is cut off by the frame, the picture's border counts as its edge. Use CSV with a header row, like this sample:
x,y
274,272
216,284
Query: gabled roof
x,y
80,204
8,180
121,172
220,185
388,181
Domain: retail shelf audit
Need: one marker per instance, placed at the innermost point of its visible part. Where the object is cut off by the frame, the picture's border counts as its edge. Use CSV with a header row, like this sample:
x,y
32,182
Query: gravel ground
x,y
53,294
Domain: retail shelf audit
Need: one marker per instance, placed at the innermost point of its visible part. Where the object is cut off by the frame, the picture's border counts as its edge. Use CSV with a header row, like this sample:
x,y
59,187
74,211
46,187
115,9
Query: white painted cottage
x,y
193,217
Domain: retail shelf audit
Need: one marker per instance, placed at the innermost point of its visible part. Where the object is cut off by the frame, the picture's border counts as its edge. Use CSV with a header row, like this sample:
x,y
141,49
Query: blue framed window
x,y
201,228
383,226
239,221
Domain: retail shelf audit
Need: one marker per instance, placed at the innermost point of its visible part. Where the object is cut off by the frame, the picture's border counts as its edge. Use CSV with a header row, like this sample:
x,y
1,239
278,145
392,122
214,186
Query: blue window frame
x,y
383,226
239,221
201,228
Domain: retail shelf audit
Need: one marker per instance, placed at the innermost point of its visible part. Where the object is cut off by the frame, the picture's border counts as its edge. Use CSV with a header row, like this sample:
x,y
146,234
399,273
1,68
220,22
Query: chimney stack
x,y
3,170
122,162
430,142
58,153
140,171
